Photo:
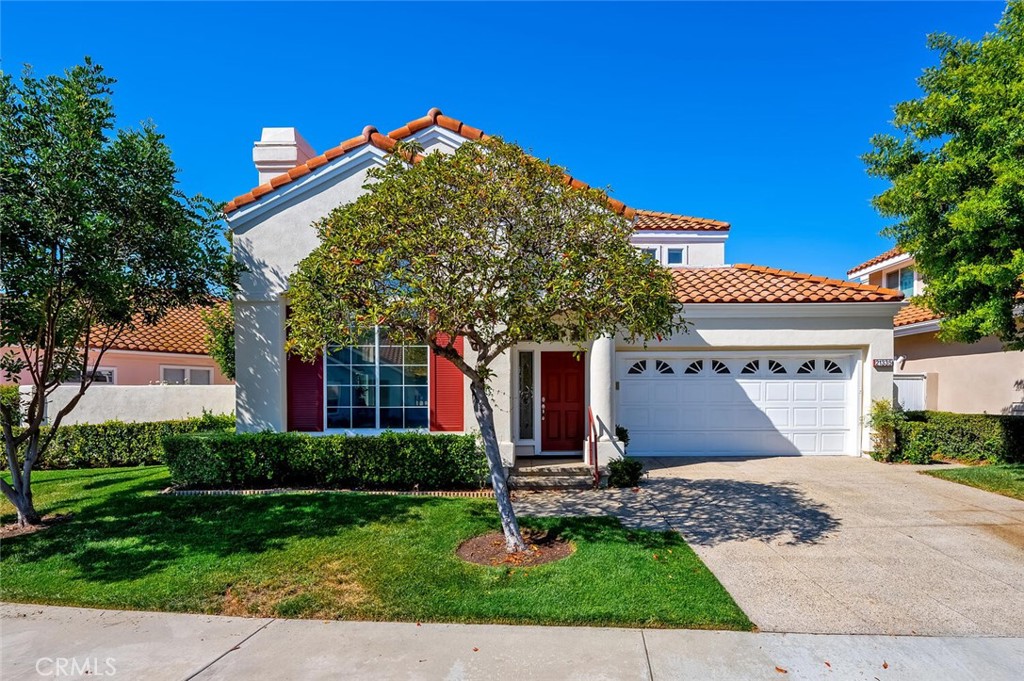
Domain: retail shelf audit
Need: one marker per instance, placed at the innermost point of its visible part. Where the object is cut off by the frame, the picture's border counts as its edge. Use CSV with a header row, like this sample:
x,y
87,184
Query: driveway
x,y
834,544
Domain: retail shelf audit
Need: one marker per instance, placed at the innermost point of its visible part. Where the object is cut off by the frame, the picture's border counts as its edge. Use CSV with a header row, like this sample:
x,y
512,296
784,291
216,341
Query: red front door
x,y
562,404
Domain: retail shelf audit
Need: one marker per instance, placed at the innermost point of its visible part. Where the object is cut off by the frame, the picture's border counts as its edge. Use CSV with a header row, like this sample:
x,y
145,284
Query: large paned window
x,y
377,384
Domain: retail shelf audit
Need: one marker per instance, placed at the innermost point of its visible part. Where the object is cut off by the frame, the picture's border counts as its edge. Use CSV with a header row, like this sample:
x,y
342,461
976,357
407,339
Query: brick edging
x,y
170,491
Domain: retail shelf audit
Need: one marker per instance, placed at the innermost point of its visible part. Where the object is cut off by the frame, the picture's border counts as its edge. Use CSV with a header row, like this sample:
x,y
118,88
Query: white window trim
x,y
187,369
113,375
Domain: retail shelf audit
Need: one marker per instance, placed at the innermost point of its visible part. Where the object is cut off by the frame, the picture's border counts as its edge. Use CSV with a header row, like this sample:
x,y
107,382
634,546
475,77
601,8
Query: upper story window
x,y
901,280
671,256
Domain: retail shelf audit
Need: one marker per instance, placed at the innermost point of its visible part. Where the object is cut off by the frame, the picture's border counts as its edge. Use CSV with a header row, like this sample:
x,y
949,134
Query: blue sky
x,y
752,113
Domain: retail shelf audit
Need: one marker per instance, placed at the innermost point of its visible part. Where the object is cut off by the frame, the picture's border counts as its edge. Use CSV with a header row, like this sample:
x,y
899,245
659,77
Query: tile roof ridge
x,y
893,252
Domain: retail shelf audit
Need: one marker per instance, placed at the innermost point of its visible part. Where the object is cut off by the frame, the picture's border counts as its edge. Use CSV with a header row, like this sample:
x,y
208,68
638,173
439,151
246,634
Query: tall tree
x,y
487,243
95,239
957,174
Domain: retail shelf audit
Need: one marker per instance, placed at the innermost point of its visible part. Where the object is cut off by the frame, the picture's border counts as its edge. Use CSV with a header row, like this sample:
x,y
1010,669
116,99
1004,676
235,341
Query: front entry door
x,y
561,402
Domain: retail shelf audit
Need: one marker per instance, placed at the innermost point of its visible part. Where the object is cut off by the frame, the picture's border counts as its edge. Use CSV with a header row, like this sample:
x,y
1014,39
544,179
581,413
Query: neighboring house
x,y
152,373
775,362
960,377
171,352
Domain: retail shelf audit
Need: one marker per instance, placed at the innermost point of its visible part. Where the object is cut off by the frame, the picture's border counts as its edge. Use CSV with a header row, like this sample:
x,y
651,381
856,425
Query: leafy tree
x,y
96,239
486,243
220,336
957,174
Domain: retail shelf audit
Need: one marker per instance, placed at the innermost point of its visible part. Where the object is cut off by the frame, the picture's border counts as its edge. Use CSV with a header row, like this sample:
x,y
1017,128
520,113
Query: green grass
x,y
345,556
1005,479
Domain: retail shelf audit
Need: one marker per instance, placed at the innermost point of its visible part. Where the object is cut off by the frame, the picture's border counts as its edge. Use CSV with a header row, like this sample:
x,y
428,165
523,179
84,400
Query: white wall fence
x,y
138,403
909,391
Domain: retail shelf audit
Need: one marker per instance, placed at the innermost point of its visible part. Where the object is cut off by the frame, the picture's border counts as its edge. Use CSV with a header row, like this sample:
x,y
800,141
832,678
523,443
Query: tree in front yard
x,y
487,243
219,337
957,174
95,239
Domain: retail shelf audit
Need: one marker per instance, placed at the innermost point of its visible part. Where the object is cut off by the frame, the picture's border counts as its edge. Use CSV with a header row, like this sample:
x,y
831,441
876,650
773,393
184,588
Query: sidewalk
x,y
47,642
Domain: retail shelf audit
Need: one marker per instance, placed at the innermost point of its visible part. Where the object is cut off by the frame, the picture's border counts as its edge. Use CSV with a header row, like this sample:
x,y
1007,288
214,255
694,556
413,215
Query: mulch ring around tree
x,y
15,530
489,549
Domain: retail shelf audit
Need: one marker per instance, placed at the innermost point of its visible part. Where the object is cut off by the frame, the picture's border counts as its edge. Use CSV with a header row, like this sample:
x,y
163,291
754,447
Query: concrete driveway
x,y
835,544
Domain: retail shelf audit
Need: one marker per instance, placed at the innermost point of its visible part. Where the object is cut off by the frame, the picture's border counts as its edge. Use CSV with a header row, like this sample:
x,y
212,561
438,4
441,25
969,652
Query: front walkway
x,y
39,641
834,544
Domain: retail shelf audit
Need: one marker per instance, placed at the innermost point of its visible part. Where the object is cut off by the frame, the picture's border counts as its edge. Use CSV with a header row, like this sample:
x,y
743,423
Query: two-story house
x,y
775,362
960,377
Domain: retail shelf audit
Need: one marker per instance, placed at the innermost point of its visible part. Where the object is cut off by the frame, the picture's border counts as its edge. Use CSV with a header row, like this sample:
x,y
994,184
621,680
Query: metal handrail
x,y
592,444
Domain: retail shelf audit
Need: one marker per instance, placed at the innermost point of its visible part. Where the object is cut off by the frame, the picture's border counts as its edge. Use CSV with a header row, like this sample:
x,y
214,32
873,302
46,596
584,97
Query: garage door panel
x,y
778,416
833,443
833,391
834,417
777,391
805,417
805,391
716,414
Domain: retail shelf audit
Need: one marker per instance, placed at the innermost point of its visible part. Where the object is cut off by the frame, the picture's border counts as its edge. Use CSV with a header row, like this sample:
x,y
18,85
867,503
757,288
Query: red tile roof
x,y
755,284
649,219
914,314
387,142
891,253
181,330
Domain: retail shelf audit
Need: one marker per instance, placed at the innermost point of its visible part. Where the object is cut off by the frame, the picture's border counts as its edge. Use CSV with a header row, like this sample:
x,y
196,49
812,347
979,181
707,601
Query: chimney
x,y
278,151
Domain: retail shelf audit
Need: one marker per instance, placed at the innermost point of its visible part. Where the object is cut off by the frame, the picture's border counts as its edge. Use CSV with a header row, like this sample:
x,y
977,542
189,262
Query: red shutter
x,y
447,394
305,394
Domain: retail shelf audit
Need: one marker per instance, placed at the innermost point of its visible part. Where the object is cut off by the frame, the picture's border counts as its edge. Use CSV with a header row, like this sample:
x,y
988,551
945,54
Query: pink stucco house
x,y
172,352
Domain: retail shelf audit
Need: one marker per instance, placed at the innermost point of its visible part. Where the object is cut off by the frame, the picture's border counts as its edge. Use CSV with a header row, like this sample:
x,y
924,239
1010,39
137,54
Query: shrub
x,y
622,435
116,443
968,438
884,420
387,461
624,472
9,395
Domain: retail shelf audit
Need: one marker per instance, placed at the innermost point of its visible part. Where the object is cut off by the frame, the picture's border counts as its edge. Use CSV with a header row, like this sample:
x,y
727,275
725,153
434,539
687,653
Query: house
x,y
170,352
959,377
776,362
153,372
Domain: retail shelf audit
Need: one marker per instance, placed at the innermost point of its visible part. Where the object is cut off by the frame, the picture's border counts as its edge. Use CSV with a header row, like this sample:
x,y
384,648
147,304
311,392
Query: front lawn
x,y
1005,479
345,556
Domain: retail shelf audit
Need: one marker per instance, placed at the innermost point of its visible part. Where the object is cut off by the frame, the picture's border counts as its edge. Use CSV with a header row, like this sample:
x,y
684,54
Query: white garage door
x,y
708,405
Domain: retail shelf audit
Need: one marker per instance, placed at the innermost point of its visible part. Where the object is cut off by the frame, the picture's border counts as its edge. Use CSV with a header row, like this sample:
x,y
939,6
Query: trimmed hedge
x,y
394,461
116,443
968,438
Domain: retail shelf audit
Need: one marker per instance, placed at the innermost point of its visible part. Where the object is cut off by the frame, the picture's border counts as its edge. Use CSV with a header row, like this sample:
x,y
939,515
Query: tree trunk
x,y
485,418
27,514
19,490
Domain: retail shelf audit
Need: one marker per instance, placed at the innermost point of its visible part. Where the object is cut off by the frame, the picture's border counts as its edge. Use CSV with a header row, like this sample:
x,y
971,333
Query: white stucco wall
x,y
140,403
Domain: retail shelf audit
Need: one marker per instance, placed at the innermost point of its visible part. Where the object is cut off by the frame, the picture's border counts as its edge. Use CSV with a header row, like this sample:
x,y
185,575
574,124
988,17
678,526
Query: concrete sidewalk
x,y
42,642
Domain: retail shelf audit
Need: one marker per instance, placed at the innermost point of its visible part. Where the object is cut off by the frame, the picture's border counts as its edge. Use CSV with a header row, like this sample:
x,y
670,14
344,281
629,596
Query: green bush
x,y
885,421
622,435
968,438
624,472
116,443
9,395
387,461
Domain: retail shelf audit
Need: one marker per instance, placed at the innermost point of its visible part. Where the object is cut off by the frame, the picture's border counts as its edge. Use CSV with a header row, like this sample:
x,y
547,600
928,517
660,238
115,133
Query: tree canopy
x,y
957,173
96,238
487,243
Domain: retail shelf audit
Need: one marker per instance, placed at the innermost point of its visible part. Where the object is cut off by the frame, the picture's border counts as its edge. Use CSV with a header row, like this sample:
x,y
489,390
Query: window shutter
x,y
447,393
305,394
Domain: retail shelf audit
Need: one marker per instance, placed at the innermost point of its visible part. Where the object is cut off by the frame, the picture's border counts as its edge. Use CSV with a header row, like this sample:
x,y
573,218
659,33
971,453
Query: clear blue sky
x,y
752,113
